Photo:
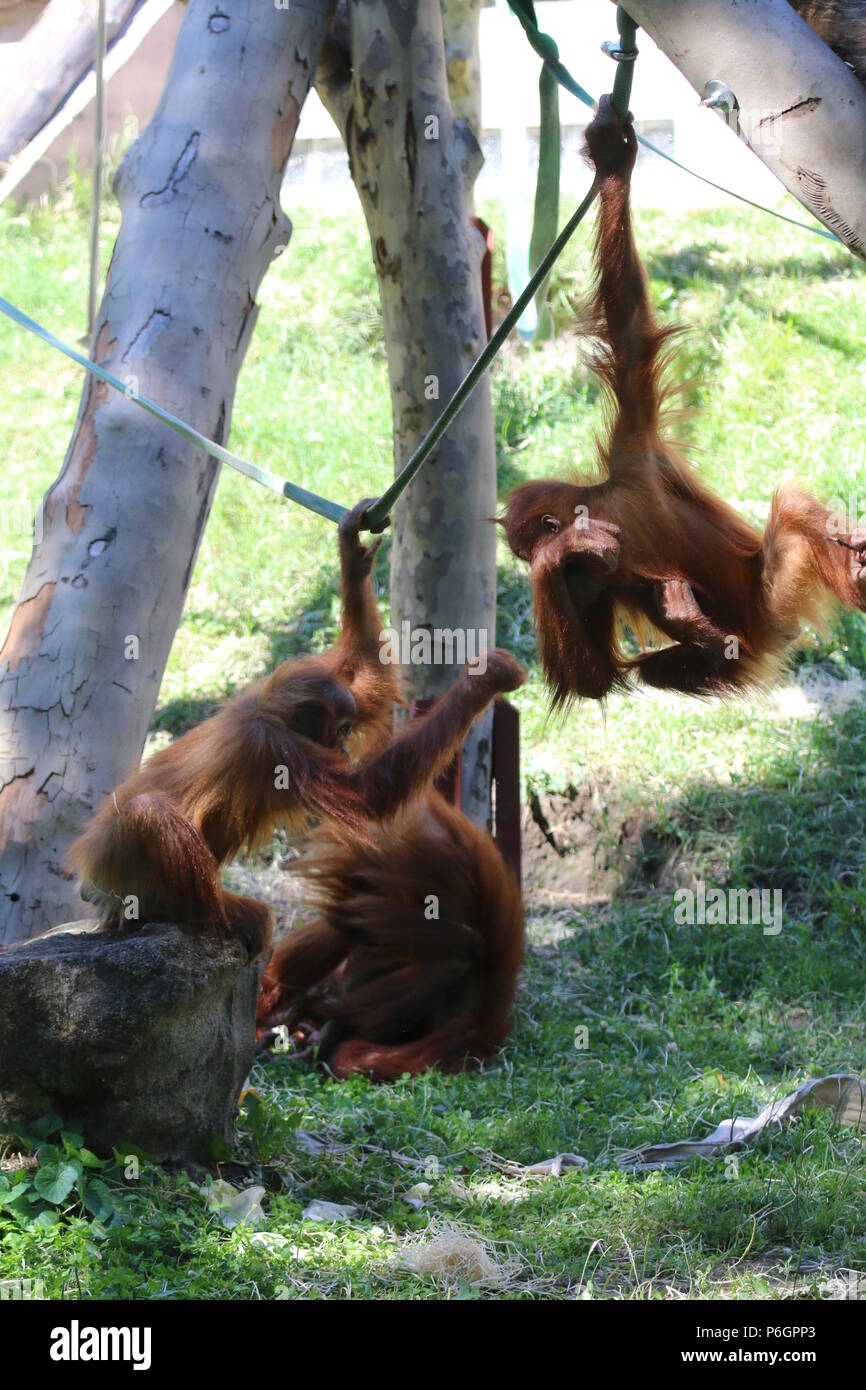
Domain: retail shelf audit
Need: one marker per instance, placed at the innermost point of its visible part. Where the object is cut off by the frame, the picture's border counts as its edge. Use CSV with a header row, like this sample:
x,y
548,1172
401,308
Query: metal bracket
x,y
620,55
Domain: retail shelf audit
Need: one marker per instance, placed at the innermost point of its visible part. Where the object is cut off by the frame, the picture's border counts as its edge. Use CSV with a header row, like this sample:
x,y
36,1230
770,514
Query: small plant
x,y
266,1127
67,1179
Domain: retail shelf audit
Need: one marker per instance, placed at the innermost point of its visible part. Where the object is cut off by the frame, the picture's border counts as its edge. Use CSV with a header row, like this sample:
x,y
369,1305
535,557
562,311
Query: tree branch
x,y
801,109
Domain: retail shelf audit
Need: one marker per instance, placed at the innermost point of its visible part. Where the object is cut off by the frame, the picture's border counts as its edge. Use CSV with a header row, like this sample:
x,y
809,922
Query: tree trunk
x,y
463,60
81,666
801,109
414,165
38,73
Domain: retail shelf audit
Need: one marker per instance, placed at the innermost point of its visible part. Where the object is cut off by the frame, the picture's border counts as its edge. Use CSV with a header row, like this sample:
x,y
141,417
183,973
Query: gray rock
x,y
144,1038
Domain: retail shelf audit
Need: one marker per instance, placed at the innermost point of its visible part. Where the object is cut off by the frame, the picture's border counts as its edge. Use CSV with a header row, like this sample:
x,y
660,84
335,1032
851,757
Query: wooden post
x,y
505,769
506,784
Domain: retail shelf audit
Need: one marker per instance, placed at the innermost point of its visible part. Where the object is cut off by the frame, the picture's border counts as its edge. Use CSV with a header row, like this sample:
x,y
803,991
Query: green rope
x,y
377,514
547,49
545,217
626,54
741,197
311,500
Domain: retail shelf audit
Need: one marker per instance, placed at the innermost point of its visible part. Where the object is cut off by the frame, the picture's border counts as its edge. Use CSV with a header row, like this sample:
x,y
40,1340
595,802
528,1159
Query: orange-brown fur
x,y
392,989
649,543
275,755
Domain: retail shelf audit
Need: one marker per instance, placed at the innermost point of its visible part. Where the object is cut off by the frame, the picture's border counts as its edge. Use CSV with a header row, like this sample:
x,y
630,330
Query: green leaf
x,y
17,1185
21,1207
55,1182
45,1218
98,1200
46,1124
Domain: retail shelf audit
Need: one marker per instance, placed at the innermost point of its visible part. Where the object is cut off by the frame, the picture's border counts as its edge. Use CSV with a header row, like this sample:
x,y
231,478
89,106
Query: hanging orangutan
x,y
648,543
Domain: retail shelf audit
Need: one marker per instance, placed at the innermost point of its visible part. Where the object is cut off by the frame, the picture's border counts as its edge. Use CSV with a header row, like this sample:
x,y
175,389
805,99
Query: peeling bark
x,y
463,60
801,109
81,668
414,164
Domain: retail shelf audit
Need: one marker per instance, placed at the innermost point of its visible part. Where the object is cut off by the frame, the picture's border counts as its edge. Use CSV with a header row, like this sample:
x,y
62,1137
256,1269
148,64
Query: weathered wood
x,y
801,109
842,25
414,165
81,666
38,73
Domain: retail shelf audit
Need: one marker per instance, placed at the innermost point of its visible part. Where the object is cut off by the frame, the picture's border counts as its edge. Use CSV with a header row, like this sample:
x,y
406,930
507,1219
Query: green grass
x,y
686,1025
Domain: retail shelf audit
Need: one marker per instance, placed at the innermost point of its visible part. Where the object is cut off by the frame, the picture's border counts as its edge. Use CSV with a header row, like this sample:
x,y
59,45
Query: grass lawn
x,y
686,1025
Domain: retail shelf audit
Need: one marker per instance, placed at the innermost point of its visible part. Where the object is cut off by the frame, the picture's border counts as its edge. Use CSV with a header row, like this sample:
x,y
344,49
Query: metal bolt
x,y
719,97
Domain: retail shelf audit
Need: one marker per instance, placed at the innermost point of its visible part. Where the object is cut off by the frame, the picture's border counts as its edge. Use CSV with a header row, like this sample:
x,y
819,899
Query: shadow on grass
x,y
795,831
804,328
692,266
